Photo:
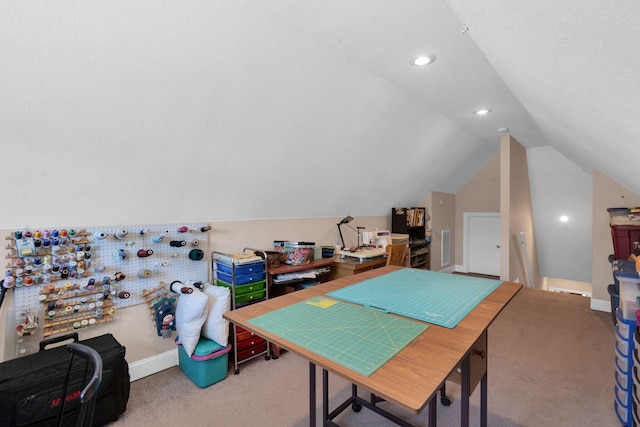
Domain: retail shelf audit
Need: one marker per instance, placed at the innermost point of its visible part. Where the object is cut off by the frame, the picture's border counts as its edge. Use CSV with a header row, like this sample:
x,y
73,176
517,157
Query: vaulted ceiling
x,y
289,108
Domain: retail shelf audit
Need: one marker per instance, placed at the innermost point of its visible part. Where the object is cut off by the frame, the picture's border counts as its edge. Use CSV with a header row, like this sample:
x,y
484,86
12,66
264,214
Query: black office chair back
x,y
89,393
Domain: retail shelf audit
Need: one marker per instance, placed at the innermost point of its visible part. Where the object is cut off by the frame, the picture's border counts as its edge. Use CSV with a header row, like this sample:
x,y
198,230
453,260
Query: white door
x,y
483,243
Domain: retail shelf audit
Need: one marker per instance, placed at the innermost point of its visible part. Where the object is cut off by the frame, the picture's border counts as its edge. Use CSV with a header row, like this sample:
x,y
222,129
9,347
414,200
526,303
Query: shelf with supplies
x,y
412,221
291,276
419,255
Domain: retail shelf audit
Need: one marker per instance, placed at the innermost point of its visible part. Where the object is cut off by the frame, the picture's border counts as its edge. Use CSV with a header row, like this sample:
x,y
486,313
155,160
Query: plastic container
x,y
298,253
622,266
327,251
208,365
624,216
629,294
240,270
241,279
615,300
246,293
278,246
625,238
244,289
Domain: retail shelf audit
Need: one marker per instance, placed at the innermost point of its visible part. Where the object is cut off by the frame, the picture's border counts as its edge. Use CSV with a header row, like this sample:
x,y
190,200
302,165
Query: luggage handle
x,y
45,343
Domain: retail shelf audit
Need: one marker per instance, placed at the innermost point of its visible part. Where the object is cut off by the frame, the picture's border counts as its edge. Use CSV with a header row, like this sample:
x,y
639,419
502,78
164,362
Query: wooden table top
x,y
416,373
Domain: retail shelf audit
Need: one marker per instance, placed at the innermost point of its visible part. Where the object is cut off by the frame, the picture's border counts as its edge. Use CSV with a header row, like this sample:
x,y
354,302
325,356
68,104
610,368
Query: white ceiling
x,y
289,108
573,66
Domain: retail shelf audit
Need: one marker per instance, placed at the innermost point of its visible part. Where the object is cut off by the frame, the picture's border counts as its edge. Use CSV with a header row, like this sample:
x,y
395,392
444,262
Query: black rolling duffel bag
x,y
31,386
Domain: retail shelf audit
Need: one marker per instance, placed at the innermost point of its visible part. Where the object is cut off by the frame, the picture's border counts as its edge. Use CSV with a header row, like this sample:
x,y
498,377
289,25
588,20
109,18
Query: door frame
x,y
466,219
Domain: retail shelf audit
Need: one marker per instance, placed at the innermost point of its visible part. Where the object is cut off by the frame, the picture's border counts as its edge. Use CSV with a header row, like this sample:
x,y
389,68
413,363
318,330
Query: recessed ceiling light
x,y
564,218
503,130
482,111
423,60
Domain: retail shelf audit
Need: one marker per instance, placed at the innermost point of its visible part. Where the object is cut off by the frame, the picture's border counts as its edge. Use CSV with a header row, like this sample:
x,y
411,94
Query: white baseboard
x,y
570,291
152,365
601,305
449,269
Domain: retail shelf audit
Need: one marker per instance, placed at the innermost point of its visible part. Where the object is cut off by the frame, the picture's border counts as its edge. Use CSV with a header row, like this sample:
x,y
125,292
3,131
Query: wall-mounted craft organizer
x,y
79,277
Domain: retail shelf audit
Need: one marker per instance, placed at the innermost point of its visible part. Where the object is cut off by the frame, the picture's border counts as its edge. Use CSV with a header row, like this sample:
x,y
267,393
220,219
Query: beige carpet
x,y
551,363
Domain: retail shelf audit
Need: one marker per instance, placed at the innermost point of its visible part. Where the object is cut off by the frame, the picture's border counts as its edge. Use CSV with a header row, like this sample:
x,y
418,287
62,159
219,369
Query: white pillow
x,y
216,328
191,313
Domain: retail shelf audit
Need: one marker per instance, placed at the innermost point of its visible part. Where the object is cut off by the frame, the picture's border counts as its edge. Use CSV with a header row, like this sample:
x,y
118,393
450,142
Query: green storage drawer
x,y
244,289
253,296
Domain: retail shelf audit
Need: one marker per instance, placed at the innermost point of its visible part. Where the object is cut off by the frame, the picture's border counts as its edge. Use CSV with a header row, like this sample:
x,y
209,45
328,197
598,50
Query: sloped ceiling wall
x,y
229,110
573,66
244,110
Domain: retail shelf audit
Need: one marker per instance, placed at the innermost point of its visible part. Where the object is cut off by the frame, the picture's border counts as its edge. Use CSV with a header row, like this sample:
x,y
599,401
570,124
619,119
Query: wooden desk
x,y
348,266
425,363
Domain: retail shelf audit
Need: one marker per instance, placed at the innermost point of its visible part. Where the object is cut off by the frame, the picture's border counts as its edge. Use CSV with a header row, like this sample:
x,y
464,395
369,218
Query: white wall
x,y
559,187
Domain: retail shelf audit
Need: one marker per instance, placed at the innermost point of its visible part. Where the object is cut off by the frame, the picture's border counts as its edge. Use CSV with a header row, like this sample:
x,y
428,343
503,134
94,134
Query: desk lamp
x,y
344,220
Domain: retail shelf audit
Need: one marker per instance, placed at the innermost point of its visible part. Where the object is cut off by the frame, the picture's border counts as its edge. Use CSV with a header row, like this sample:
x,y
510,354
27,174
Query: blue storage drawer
x,y
624,347
241,279
240,270
624,364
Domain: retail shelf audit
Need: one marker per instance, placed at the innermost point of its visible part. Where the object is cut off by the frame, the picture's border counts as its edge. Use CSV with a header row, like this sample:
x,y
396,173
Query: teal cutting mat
x,y
438,298
356,337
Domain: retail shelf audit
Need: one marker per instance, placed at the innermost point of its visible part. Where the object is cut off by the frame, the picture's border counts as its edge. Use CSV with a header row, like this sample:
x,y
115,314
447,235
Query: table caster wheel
x,y
236,372
356,407
445,401
267,357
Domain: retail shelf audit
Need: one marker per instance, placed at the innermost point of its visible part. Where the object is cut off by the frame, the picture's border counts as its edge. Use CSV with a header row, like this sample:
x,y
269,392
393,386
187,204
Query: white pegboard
x,y
113,253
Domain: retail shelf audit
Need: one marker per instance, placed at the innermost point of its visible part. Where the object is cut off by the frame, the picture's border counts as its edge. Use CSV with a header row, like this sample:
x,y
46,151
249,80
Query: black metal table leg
x,y
433,405
465,391
325,397
444,399
312,394
484,388
483,400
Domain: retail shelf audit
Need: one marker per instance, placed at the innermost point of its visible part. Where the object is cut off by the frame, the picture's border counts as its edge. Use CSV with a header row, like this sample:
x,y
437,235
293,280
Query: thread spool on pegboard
x,y
111,252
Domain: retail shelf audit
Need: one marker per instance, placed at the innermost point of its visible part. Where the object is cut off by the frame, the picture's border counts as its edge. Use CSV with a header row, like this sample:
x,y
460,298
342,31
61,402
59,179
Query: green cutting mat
x,y
356,337
438,298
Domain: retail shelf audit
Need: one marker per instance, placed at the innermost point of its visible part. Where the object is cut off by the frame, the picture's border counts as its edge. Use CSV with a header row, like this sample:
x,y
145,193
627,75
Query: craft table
x,y
413,376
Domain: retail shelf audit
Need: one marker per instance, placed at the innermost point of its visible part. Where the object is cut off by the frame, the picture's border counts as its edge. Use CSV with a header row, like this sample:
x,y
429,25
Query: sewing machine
x,y
374,245
377,238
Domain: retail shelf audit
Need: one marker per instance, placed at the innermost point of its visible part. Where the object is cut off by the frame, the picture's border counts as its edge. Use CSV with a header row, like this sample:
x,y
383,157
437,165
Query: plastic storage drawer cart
x,y
625,275
207,365
636,378
246,278
625,344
